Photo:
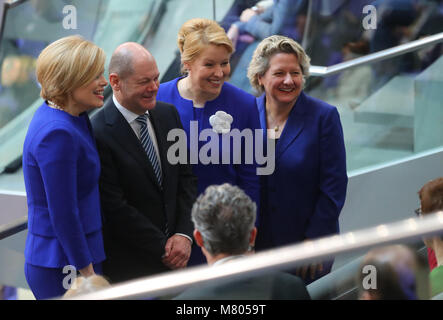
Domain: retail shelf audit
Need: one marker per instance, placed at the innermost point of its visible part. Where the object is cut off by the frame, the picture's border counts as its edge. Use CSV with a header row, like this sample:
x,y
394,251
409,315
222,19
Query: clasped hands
x,y
177,252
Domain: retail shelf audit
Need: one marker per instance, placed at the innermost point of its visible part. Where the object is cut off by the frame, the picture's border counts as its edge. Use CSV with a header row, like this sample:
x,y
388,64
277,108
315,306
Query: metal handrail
x,y
277,259
320,71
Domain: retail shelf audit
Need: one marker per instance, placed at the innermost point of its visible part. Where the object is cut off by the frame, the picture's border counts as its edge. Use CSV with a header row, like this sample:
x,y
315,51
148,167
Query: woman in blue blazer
x,y
203,98
61,169
303,197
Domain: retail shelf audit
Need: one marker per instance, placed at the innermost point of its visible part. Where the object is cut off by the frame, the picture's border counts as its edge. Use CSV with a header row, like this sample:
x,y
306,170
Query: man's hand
x,y
177,252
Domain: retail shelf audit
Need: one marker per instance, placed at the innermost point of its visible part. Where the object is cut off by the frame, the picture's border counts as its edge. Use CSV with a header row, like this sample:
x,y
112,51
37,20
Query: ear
x,y
114,81
187,66
198,238
252,237
259,77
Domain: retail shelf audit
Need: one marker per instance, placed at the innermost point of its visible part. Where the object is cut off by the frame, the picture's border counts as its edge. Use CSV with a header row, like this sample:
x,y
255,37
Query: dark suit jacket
x,y
134,205
305,194
273,286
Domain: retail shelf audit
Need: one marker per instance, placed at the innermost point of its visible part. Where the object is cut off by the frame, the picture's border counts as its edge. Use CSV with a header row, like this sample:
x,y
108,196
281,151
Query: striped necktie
x,y
147,144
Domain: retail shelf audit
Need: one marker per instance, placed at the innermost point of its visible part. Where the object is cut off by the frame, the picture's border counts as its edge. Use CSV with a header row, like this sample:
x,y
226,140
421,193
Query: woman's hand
x,y
87,271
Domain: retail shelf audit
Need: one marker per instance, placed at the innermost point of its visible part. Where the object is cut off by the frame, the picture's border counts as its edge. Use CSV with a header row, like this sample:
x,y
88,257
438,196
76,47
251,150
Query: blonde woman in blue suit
x,y
201,94
61,169
303,197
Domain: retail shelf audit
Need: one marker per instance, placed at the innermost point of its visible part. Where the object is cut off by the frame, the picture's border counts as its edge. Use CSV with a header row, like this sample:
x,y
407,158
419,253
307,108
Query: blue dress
x,y
242,107
61,168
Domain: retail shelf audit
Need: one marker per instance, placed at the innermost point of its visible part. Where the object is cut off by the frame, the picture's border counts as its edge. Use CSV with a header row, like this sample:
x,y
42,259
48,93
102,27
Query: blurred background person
x,y
61,167
82,285
201,93
283,17
431,200
396,273
304,196
223,218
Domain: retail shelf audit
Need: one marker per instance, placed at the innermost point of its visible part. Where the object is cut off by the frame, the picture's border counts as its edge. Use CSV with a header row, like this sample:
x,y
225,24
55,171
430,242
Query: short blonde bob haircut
x,y
67,64
196,34
269,47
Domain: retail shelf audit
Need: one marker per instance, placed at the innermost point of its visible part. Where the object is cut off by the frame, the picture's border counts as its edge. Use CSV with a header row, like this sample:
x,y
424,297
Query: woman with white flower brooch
x,y
204,100
303,197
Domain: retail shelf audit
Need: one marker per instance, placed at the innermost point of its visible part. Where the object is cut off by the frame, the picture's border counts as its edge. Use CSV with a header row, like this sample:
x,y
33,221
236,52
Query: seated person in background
x,y
395,273
235,11
84,285
431,199
224,218
255,25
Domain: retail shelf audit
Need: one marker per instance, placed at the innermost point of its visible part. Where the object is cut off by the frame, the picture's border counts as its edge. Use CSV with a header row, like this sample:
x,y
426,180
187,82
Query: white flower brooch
x,y
221,122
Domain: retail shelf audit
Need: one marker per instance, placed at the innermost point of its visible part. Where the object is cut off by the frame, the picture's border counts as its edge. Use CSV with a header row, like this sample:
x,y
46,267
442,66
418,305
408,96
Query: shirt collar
x,y
127,114
226,259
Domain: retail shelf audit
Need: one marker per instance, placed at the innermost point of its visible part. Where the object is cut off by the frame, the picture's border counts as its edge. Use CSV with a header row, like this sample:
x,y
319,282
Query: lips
x,y
215,83
99,93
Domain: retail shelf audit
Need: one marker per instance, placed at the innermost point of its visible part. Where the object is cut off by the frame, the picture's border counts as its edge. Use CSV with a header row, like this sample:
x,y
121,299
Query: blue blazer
x,y
241,106
61,169
305,194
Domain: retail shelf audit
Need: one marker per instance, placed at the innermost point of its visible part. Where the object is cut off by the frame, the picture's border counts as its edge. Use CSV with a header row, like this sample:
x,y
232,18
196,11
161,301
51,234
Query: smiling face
x,y
283,81
90,95
208,71
137,92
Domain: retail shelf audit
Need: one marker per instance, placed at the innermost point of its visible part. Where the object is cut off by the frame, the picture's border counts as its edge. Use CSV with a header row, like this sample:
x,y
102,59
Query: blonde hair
x,y
67,64
84,285
196,34
269,47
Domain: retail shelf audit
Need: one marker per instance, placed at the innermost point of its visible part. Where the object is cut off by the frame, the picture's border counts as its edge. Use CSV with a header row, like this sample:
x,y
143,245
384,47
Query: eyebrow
x,y
147,78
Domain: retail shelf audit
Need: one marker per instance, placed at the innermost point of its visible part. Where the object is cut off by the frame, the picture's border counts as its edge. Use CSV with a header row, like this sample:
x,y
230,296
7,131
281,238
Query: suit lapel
x,y
294,124
262,114
123,134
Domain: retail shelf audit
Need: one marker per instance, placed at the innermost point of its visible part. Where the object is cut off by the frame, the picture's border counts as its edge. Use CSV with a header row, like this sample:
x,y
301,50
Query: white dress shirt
x,y
130,117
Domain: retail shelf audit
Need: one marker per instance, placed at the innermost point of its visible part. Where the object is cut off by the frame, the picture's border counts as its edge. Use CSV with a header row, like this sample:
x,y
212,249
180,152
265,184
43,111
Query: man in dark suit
x,y
146,201
224,218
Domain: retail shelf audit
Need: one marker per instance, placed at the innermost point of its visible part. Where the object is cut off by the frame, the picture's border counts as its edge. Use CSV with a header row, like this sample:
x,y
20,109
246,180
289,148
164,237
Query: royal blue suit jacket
x,y
241,106
305,194
61,169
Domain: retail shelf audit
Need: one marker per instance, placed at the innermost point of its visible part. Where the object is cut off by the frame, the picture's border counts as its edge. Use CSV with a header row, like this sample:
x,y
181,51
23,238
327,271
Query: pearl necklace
x,y
54,106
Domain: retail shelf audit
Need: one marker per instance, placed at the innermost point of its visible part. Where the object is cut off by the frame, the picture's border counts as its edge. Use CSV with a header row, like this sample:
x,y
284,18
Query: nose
x,y
103,81
153,86
288,78
218,71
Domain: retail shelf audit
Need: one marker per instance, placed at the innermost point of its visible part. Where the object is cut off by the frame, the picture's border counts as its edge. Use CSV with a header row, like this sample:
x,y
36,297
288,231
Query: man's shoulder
x,y
164,109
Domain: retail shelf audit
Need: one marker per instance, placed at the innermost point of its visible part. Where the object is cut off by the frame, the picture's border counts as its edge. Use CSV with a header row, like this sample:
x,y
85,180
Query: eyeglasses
x,y
418,212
